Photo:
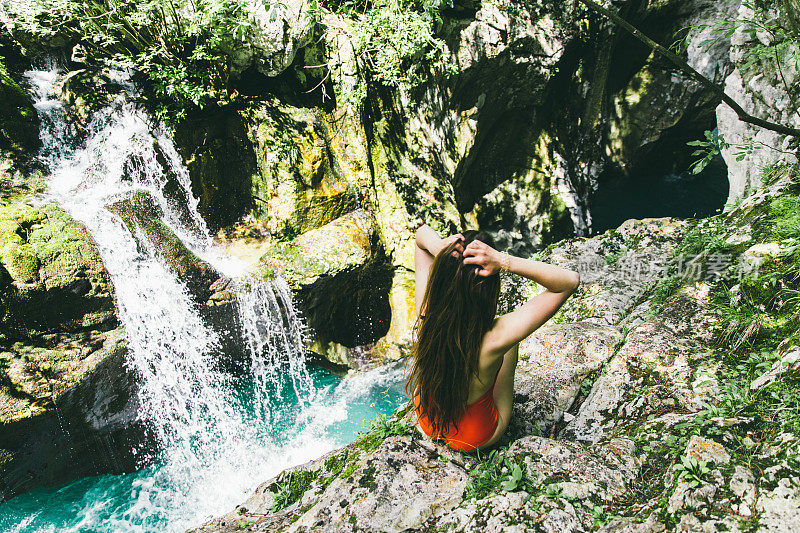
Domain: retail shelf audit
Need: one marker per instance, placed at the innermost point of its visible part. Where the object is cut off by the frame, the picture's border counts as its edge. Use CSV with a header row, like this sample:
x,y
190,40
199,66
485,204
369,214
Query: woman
x,y
462,370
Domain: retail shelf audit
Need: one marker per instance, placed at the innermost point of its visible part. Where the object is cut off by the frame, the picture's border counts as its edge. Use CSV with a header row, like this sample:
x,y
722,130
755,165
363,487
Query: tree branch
x,y
743,115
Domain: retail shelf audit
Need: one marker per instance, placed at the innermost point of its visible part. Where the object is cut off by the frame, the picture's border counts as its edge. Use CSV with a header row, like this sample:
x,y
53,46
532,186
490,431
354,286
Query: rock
x,y
19,122
788,360
66,397
82,421
760,90
342,287
606,470
398,486
53,276
299,187
86,92
275,35
779,509
707,450
341,245
553,362
222,164
141,213
652,369
632,525
616,269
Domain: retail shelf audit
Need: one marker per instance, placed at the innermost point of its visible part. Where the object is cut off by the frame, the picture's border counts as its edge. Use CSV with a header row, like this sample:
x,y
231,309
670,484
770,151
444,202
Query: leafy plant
x,y
692,470
392,40
707,150
496,473
180,49
381,428
291,486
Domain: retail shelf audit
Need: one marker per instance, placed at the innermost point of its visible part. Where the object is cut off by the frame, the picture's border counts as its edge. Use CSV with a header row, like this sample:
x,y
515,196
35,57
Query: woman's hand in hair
x,y
484,256
447,241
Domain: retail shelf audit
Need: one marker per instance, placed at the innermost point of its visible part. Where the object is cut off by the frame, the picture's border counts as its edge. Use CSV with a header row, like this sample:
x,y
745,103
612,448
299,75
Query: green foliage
x,y
179,48
707,150
495,473
392,39
693,471
291,485
381,428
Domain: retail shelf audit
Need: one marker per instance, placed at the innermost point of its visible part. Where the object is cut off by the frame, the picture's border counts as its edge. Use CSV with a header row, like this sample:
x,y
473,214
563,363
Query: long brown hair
x,y
457,310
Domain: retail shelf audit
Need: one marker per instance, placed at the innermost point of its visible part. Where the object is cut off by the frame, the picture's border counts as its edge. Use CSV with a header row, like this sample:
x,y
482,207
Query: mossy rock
x,y
338,246
342,284
300,185
19,122
53,275
141,213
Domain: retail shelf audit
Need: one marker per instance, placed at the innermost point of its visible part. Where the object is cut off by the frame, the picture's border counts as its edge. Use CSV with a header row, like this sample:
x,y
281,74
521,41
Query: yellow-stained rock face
x,y
298,187
326,251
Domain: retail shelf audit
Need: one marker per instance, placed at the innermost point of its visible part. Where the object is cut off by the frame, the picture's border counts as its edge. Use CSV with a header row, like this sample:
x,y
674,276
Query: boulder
x,y
141,213
342,283
553,363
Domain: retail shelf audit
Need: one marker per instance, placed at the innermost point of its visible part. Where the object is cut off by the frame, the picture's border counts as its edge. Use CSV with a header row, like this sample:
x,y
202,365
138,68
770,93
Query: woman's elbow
x,y
574,281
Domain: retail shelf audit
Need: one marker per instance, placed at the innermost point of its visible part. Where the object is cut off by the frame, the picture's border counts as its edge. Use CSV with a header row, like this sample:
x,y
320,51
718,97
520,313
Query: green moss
x,y
43,238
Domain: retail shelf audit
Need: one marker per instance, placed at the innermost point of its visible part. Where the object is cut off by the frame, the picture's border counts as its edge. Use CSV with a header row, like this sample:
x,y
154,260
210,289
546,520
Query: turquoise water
x,y
152,499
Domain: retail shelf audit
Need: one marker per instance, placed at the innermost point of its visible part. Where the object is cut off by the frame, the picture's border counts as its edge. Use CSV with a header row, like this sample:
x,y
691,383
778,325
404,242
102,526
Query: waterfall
x,y
216,438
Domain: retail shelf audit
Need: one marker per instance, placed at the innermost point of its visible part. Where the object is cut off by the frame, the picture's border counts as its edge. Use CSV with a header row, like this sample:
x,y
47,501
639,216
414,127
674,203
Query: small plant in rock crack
x,y
497,473
693,471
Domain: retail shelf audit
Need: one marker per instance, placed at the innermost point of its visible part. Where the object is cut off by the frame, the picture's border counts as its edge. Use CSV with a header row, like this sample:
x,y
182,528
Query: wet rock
x,y
343,244
398,486
81,417
141,213
221,162
86,92
299,185
67,401
45,257
342,286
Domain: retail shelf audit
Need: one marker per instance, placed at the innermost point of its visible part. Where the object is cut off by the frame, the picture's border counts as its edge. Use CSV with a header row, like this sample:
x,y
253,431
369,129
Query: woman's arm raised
x,y
513,327
427,245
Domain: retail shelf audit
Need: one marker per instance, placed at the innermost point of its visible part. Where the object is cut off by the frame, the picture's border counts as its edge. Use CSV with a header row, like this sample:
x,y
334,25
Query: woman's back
x,y
462,377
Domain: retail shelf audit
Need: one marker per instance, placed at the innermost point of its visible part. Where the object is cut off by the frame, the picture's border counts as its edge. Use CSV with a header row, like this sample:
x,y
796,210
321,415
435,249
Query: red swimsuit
x,y
475,428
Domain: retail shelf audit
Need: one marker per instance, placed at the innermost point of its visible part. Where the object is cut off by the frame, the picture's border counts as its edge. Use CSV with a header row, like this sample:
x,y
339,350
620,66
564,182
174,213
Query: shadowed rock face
x,y
90,428
19,123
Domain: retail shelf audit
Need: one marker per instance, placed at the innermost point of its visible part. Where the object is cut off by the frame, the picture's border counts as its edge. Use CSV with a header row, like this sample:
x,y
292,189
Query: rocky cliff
x,y
512,127
647,405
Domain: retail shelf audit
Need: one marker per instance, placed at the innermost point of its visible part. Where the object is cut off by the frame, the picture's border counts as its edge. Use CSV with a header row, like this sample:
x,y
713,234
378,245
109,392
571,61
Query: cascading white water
x,y
216,442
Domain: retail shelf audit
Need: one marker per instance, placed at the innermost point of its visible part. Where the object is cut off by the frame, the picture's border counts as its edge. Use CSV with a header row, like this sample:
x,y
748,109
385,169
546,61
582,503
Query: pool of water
x,y
156,499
